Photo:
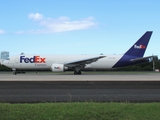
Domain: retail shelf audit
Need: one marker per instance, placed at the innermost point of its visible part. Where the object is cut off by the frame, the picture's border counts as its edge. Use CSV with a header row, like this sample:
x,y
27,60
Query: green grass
x,y
80,111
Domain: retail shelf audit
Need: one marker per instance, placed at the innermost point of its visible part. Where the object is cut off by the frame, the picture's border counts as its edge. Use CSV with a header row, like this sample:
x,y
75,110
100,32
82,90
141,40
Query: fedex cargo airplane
x,y
77,63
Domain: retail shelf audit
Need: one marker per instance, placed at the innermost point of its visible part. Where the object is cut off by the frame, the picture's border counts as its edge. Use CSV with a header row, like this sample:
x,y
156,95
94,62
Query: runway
x,y
89,76
33,88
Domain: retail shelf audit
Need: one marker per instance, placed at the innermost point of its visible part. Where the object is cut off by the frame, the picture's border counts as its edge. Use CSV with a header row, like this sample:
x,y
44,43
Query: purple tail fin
x,y
139,48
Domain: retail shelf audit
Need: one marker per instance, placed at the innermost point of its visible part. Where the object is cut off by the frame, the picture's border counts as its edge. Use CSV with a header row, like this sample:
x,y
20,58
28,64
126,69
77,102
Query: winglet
x,y
139,48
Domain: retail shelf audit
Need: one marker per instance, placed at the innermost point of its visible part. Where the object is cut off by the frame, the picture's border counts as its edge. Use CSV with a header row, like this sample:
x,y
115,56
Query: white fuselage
x,y
44,62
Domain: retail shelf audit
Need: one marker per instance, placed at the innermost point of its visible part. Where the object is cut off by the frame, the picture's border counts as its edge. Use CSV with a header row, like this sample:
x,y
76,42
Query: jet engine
x,y
58,68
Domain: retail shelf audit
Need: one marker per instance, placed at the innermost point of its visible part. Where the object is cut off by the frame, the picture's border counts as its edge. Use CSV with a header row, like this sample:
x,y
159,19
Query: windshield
x,y
7,59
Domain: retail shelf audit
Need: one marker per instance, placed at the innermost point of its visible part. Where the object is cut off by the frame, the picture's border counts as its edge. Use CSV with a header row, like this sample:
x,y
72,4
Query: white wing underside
x,y
83,62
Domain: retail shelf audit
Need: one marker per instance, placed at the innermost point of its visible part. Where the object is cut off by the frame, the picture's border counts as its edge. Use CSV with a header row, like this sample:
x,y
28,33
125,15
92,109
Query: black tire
x,y
79,73
75,73
14,72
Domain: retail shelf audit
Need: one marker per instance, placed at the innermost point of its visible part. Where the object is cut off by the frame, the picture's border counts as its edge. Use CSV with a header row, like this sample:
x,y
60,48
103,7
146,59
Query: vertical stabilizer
x,y
139,48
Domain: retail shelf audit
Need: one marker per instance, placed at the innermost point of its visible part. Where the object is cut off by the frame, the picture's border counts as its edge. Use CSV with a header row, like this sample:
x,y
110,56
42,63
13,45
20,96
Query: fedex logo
x,y
34,59
140,46
57,68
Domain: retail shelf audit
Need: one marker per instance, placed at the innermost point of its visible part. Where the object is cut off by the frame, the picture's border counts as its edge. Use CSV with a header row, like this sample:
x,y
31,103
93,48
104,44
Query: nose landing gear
x,y
14,72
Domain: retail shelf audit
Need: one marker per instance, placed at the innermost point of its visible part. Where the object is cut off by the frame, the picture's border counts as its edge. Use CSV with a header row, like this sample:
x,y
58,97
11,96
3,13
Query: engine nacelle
x,y
58,68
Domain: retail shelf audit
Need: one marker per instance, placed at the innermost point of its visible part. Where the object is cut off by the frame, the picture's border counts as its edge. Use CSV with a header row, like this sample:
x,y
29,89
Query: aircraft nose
x,y
3,62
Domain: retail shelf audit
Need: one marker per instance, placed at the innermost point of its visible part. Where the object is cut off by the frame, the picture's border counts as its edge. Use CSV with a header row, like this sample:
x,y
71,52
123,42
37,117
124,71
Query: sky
x,y
77,26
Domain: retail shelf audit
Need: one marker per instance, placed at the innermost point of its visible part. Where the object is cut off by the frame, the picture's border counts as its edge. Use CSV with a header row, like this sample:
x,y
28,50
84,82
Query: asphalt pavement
x,y
79,91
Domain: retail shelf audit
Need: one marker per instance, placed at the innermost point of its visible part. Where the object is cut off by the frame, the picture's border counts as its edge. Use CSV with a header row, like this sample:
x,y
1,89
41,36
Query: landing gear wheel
x,y
14,72
77,72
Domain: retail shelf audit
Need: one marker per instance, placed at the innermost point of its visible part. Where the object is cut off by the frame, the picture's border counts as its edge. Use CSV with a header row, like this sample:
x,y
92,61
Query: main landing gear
x,y
77,71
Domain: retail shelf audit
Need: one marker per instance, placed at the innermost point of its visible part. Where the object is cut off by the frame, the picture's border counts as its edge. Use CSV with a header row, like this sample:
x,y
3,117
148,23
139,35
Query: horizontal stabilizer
x,y
141,59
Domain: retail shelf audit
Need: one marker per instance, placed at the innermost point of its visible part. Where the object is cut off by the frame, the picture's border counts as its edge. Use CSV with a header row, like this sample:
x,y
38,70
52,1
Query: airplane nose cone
x,y
1,62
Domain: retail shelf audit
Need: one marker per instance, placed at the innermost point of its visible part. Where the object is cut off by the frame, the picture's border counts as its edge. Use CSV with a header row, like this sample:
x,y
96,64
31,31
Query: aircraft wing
x,y
83,62
141,59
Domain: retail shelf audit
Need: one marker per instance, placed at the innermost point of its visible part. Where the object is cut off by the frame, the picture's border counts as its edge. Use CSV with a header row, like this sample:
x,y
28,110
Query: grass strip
x,y
80,111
